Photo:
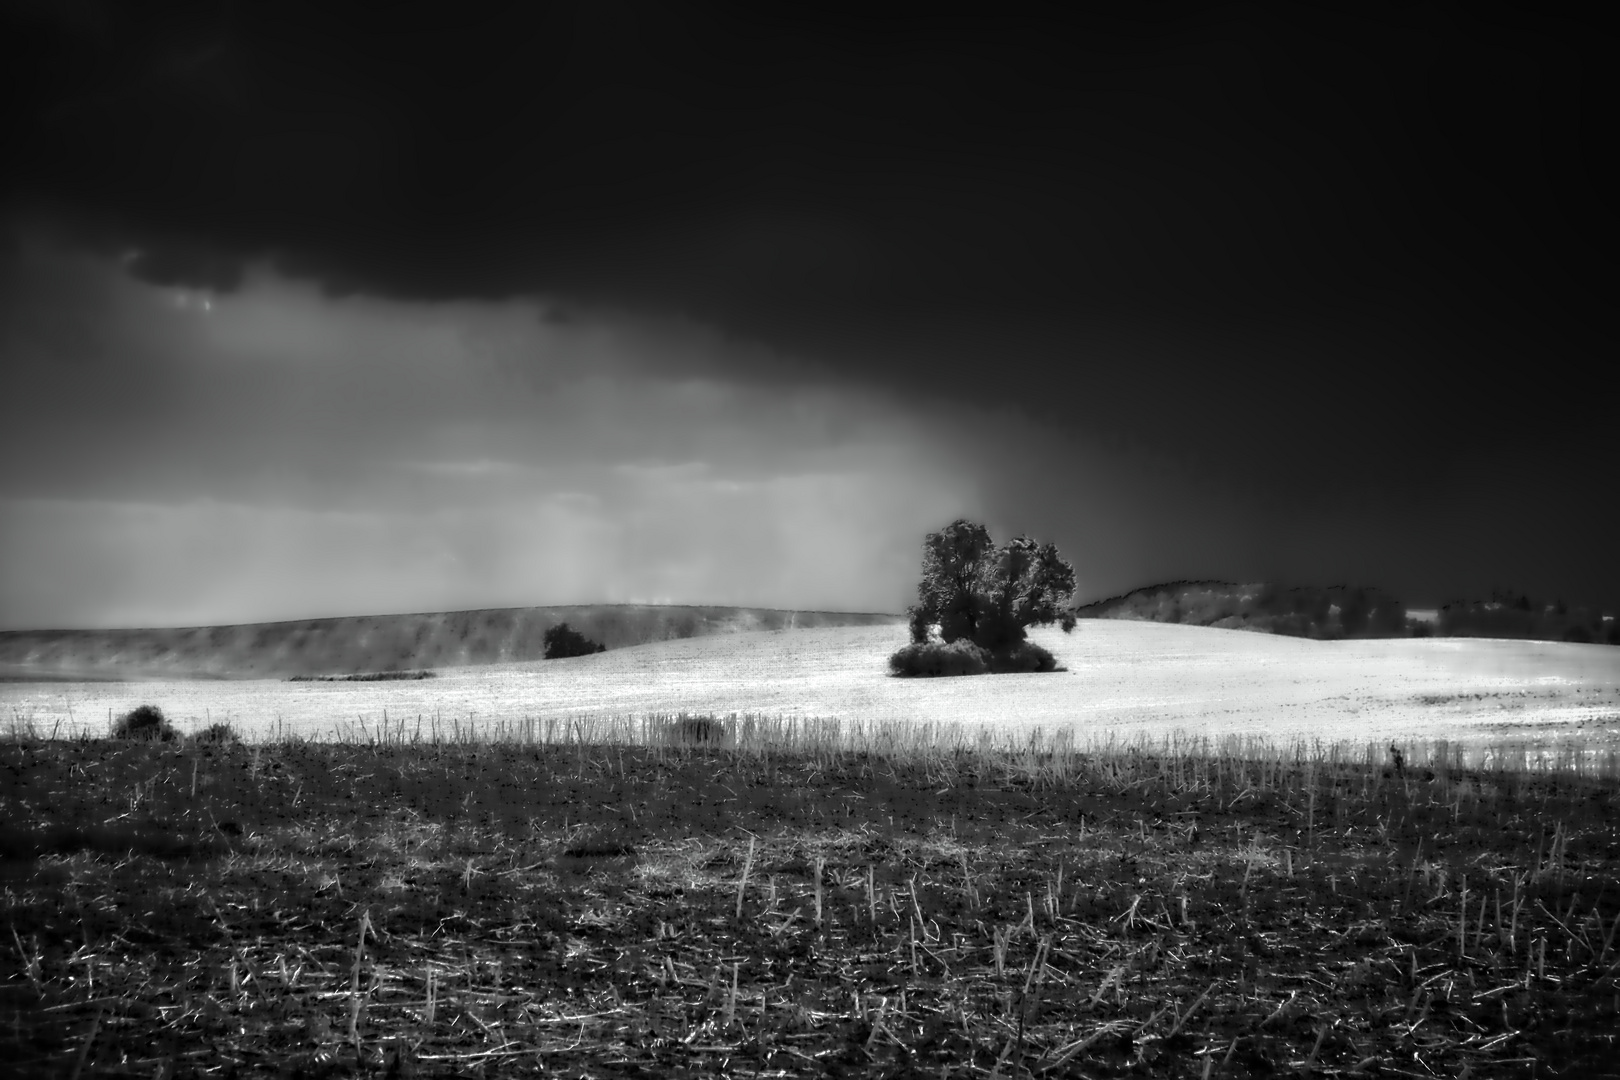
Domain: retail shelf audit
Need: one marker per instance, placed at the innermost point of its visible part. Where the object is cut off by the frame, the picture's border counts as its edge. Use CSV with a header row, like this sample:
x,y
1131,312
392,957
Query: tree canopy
x,y
973,591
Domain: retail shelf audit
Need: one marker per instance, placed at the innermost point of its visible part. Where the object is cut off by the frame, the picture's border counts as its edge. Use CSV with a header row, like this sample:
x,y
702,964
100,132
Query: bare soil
x,y
304,909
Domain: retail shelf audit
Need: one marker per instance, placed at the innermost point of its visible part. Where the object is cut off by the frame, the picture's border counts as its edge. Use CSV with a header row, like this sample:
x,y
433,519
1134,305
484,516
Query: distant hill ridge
x,y
375,643
1341,611
1136,600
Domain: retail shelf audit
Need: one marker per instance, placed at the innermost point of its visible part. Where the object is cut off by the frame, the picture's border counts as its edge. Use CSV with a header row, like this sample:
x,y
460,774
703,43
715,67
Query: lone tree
x,y
562,640
981,598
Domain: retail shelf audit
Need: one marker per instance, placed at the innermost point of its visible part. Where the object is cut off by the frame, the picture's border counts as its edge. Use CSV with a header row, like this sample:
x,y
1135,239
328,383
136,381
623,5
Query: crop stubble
x,y
764,906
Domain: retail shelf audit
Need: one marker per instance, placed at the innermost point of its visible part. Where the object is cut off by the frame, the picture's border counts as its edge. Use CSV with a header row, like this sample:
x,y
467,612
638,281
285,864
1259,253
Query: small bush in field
x,y
217,734
701,730
931,658
684,730
562,640
144,722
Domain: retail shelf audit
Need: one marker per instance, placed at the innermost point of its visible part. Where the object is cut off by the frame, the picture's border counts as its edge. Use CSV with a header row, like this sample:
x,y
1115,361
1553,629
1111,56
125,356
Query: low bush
x,y
144,722
217,734
933,658
684,730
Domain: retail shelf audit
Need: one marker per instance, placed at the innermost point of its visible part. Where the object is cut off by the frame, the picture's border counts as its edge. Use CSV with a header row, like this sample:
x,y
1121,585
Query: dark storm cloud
x,y
1234,195
1329,273
175,264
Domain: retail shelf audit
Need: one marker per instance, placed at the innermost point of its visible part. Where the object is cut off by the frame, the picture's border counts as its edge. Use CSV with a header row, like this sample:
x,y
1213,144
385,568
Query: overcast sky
x,y
465,306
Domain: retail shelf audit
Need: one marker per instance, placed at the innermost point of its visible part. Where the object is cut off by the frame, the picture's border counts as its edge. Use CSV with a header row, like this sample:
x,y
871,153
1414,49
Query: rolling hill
x,y
1323,613
376,643
1339,611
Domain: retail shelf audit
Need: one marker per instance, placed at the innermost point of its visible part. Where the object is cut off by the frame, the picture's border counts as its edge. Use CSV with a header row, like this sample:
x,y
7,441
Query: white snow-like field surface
x,y
1131,679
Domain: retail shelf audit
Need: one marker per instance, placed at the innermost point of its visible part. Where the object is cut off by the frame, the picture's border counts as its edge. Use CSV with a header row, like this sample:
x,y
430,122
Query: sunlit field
x,y
1128,678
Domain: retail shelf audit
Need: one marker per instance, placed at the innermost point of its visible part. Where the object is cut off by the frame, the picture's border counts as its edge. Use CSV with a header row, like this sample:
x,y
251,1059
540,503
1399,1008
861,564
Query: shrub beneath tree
x,y
928,658
1024,658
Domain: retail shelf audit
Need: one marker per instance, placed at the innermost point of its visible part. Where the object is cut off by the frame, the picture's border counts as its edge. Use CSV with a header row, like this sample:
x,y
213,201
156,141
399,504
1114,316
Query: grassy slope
x,y
378,642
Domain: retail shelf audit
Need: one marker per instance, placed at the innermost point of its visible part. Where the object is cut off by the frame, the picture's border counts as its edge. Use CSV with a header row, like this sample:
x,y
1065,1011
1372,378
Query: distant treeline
x,y
1509,615
1340,611
373,676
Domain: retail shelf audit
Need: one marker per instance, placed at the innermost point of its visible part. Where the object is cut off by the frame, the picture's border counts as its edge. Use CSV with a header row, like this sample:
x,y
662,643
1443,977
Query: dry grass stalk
x,y
742,883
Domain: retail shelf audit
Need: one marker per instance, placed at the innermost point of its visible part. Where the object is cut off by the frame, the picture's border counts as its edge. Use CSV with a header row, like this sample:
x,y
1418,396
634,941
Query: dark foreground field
x,y
776,908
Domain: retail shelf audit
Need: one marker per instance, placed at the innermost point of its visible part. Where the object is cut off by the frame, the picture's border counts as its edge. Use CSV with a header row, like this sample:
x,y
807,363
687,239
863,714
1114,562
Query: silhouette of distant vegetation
x,y
1517,615
1301,611
1339,612
562,640
374,676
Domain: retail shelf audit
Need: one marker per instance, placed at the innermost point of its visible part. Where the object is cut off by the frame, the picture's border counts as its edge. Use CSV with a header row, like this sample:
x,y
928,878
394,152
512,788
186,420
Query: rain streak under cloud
x,y
276,453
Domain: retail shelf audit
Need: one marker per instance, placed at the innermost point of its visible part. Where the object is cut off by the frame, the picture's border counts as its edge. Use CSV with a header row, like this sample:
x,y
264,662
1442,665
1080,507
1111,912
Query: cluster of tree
x,y
1198,603
1334,612
1516,615
562,640
1299,611
1350,612
976,599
